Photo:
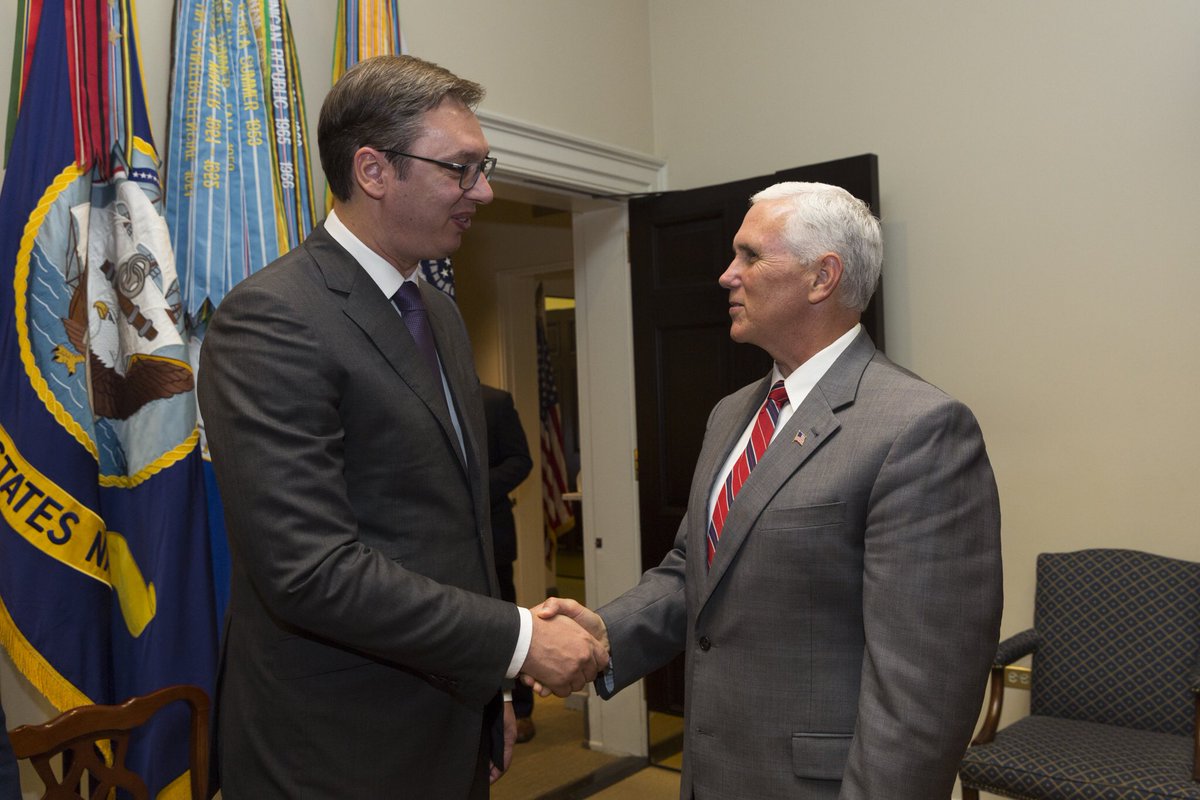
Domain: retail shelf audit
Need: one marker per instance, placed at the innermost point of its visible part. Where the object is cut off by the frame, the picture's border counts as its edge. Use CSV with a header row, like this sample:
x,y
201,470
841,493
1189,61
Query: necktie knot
x,y
408,298
778,395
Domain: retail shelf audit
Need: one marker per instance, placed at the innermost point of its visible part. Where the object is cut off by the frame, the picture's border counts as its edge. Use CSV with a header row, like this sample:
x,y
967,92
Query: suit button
x,y
705,643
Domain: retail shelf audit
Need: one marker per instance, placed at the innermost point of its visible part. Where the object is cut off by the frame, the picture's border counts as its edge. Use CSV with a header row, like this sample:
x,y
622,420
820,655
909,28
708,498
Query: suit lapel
x,y
729,419
375,315
459,367
814,422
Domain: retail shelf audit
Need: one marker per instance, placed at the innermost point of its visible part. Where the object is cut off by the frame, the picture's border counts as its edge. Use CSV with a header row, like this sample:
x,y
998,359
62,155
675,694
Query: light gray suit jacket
x,y
839,645
363,640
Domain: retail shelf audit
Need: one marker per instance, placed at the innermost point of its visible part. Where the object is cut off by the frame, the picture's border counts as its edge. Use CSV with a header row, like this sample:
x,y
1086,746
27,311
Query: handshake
x,y
568,650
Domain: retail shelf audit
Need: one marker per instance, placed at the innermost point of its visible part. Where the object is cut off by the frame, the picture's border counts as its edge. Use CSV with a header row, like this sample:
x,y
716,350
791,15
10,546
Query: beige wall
x,y
1040,179
569,65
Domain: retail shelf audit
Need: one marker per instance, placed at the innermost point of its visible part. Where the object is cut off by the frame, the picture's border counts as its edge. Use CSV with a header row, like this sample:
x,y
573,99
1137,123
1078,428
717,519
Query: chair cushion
x,y
1046,758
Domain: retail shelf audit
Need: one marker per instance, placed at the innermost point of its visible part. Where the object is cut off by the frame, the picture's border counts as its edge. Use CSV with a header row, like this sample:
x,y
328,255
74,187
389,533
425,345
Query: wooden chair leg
x,y
970,794
1196,743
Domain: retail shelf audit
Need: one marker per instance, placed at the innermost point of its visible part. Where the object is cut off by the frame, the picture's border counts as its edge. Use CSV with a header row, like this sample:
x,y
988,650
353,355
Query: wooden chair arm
x,y
1194,680
991,720
1011,649
1196,738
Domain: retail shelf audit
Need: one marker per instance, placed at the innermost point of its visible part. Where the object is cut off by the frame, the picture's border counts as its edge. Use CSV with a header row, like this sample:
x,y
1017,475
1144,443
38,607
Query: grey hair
x,y
381,102
820,218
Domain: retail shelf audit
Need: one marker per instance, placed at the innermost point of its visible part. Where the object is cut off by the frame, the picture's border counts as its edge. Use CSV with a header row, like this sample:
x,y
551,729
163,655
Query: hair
x,y
381,102
819,218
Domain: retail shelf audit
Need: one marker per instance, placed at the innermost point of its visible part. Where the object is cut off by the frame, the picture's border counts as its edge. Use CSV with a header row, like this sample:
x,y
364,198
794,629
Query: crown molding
x,y
530,154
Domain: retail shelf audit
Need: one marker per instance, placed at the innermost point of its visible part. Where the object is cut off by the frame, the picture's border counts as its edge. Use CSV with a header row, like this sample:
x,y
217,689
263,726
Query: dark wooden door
x,y
684,360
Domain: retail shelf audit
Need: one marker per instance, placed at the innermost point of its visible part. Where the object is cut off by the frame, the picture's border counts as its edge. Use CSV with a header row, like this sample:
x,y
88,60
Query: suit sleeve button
x,y
705,643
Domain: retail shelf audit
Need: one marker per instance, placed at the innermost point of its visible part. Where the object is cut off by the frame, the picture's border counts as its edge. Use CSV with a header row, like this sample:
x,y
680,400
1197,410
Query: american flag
x,y
440,273
557,513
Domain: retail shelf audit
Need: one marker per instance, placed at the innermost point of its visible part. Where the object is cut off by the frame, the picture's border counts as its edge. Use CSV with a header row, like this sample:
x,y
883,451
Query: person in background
x,y
508,465
10,781
366,650
835,584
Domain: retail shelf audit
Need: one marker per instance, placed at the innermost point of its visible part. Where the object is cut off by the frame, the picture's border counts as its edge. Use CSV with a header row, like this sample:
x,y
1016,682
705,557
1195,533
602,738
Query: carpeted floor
x,y
554,758
555,765
651,783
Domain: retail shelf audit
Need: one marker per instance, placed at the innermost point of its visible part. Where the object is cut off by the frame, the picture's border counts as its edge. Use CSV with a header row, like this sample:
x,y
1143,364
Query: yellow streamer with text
x,y
53,521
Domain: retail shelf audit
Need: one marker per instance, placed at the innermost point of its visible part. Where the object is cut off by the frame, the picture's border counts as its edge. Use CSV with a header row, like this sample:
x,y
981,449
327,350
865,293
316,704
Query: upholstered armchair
x,y
1115,703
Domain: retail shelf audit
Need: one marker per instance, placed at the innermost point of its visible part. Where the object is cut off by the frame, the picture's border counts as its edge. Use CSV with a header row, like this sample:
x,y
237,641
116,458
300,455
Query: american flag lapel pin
x,y
799,438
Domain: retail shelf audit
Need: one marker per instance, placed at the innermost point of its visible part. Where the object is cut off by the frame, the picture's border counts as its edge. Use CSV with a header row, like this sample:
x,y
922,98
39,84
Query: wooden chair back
x,y
77,733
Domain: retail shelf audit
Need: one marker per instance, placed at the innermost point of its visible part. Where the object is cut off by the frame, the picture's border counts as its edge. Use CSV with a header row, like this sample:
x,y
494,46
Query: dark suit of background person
x,y
365,633
839,644
10,780
508,465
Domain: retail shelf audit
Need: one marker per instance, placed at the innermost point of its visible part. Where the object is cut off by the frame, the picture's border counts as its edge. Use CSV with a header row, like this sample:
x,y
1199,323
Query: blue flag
x,y
105,579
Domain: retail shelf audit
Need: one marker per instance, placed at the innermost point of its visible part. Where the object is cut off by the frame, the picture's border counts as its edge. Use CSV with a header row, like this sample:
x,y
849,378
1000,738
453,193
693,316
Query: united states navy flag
x,y
105,580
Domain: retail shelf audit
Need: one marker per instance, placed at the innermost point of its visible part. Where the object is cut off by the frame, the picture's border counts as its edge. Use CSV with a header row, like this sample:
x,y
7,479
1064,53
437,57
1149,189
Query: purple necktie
x,y
412,308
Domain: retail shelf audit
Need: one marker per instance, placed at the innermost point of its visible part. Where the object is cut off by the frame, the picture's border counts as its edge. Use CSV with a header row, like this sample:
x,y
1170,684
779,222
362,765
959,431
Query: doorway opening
x,y
516,248
565,544
518,254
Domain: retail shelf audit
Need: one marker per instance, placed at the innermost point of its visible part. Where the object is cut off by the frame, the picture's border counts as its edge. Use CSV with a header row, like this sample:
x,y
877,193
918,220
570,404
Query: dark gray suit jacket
x,y
508,466
10,781
363,640
839,645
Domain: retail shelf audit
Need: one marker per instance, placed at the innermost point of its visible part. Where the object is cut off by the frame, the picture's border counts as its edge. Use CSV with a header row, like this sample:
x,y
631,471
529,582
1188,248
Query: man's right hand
x,y
563,608
563,656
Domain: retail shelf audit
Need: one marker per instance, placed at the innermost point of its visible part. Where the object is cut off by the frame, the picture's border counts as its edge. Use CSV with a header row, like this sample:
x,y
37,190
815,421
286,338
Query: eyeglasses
x,y
468,174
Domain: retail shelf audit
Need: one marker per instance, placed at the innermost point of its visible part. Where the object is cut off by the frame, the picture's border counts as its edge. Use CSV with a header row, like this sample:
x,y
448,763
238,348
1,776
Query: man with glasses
x,y
366,649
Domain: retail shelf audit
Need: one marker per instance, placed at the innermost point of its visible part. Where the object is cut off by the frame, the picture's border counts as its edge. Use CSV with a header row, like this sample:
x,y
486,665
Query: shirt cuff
x,y
523,640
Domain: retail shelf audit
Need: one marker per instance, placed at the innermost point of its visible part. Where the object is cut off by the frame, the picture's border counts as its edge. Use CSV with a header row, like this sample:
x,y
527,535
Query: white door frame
x,y
590,178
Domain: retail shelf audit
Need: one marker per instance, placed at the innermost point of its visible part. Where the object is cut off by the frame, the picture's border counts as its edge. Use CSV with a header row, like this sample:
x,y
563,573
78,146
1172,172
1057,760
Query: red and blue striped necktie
x,y
760,437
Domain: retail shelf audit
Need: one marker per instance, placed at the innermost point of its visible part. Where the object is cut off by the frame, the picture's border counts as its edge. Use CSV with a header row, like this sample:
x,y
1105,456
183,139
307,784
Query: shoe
x,y
525,730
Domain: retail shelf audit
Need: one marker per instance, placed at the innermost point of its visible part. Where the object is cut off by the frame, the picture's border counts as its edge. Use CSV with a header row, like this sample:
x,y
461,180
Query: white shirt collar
x,y
806,376
386,277
798,385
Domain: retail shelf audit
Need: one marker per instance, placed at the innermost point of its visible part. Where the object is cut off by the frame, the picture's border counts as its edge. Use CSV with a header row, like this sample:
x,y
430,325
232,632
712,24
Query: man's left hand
x,y
510,737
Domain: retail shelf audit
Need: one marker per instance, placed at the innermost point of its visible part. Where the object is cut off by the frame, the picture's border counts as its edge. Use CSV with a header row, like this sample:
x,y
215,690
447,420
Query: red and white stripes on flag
x,y
557,514
554,477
